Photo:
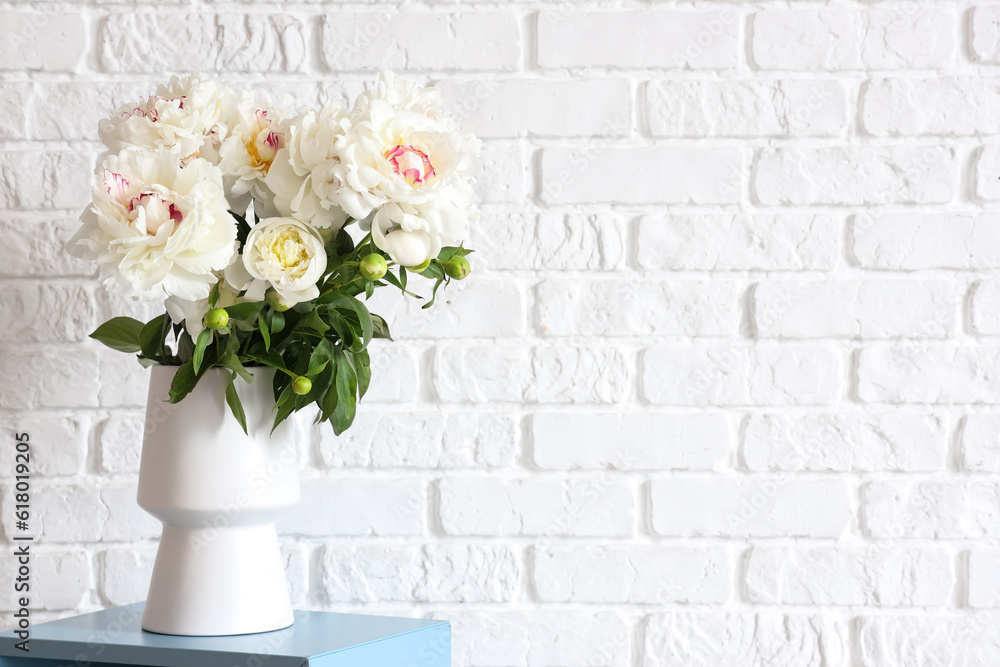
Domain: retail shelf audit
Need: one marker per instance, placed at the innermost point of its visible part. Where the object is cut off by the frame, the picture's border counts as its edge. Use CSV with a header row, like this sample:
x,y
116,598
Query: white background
x,y
721,390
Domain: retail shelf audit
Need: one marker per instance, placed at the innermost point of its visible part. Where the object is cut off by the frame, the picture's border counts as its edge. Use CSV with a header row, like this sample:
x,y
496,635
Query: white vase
x,y
218,492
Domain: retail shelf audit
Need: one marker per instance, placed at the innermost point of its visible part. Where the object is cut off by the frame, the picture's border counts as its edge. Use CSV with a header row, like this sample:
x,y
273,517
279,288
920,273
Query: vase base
x,y
209,583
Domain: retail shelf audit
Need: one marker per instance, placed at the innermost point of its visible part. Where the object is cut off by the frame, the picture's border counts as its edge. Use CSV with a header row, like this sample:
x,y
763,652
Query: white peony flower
x,y
401,148
259,131
155,227
186,114
284,254
300,174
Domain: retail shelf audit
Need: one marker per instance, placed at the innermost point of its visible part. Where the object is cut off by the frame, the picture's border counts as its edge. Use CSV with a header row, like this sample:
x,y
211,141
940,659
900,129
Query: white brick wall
x,y
724,388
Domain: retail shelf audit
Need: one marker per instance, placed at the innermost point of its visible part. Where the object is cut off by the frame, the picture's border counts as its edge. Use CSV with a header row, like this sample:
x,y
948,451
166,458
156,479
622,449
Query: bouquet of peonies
x,y
236,211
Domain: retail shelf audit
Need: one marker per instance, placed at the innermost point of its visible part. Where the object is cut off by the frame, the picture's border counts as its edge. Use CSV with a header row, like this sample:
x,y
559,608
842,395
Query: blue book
x,y
316,639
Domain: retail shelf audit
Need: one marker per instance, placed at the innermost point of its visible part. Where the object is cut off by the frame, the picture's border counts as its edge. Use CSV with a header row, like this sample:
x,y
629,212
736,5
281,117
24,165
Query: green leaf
x,y
343,244
184,381
268,358
277,321
362,366
402,278
204,340
152,337
232,362
364,317
119,333
433,271
434,292
185,346
283,407
346,386
213,296
233,399
264,331
245,311
369,289
380,327
313,322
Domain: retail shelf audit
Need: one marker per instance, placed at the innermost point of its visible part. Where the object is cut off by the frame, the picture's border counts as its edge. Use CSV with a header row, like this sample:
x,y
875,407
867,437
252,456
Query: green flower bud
x,y
419,267
457,268
302,385
276,302
373,266
217,318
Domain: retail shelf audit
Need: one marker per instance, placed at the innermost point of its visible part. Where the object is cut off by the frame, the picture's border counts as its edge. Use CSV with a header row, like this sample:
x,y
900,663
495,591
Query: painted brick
x,y
987,163
871,578
422,440
899,441
634,574
942,374
37,248
986,33
35,378
488,506
642,175
454,572
14,105
57,442
617,308
939,510
909,640
466,309
761,507
856,309
979,443
338,507
47,312
421,40
704,639
48,179
662,39
741,376
953,106
230,42
525,107
542,638
630,441
531,375
119,443
519,241
789,107
887,37
738,242
857,175
44,41
983,584
908,241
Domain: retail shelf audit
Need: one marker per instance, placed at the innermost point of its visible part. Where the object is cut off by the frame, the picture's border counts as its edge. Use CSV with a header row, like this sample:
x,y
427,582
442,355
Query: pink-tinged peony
x,y
157,226
259,132
187,115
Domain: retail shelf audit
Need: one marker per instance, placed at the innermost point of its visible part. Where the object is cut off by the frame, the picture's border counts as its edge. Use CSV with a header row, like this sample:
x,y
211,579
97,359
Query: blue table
x,y
317,639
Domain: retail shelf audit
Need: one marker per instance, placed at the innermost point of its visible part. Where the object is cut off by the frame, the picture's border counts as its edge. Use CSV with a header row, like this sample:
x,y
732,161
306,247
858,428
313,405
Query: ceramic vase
x,y
218,492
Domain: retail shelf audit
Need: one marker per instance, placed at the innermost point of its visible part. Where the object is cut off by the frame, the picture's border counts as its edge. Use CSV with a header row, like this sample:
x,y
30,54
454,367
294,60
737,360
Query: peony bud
x,y
457,268
217,318
302,385
373,266
276,302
